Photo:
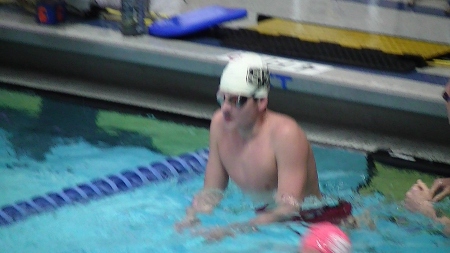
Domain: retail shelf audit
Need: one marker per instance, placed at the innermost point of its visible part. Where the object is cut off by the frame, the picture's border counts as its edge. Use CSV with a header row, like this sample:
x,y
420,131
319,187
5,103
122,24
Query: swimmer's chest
x,y
251,164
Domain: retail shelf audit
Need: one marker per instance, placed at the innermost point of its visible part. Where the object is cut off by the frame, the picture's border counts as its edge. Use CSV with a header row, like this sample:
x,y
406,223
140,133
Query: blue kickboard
x,y
195,21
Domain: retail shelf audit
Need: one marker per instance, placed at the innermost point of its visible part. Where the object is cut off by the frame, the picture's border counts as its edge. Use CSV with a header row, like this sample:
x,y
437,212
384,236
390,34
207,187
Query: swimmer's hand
x,y
219,233
418,199
215,234
189,221
186,223
204,202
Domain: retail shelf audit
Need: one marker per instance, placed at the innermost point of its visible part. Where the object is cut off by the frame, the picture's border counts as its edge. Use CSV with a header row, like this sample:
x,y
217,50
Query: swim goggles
x,y
445,96
236,101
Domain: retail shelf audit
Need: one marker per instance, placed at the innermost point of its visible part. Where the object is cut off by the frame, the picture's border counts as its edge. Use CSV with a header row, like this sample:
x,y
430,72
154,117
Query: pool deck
x,y
182,76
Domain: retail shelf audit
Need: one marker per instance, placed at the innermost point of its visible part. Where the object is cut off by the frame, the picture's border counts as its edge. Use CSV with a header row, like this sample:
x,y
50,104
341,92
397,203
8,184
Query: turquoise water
x,y
48,150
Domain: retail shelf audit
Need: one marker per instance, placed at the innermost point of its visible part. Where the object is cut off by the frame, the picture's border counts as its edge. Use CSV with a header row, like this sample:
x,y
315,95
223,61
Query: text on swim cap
x,y
258,77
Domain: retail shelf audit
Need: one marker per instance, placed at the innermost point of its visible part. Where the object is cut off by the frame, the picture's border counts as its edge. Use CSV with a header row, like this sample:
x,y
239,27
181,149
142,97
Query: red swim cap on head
x,y
325,237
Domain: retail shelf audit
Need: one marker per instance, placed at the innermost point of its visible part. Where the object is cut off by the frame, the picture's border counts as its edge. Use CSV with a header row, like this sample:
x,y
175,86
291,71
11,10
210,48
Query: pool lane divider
x,y
171,167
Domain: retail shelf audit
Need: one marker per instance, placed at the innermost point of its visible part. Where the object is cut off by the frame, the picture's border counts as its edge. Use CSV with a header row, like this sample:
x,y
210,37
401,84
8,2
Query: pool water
x,y
47,145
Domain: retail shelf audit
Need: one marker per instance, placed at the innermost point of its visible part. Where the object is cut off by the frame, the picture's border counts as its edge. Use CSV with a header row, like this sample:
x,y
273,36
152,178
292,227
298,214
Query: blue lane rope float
x,y
190,163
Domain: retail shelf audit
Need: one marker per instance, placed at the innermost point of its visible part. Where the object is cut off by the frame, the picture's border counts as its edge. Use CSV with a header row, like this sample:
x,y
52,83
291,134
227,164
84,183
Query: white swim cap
x,y
246,75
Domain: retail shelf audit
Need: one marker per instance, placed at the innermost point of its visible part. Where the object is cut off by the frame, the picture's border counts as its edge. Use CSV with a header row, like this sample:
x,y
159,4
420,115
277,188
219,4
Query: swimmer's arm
x,y
219,233
291,151
204,202
279,214
215,181
216,177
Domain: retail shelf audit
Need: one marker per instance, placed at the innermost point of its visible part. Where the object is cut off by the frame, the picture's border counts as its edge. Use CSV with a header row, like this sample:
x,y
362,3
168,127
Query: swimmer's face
x,y
237,110
235,101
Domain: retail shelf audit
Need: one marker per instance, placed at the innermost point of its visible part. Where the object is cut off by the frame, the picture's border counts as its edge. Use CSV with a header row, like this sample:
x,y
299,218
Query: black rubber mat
x,y
250,40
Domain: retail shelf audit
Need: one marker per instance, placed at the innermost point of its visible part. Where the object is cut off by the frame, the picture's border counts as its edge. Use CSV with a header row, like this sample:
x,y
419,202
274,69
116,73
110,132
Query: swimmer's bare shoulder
x,y
284,126
216,124
216,176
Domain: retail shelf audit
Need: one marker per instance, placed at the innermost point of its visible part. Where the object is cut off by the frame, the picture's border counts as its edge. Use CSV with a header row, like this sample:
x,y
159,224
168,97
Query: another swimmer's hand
x,y
418,200
440,188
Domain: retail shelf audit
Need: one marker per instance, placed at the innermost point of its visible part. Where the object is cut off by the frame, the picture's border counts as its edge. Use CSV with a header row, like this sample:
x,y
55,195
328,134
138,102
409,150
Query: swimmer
x,y
262,151
420,198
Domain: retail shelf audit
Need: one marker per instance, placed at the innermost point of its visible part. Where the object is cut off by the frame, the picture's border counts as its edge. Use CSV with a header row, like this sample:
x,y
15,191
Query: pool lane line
x,y
171,167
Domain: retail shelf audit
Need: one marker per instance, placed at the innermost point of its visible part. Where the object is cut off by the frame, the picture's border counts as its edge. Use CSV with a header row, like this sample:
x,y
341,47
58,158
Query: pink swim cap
x,y
325,237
